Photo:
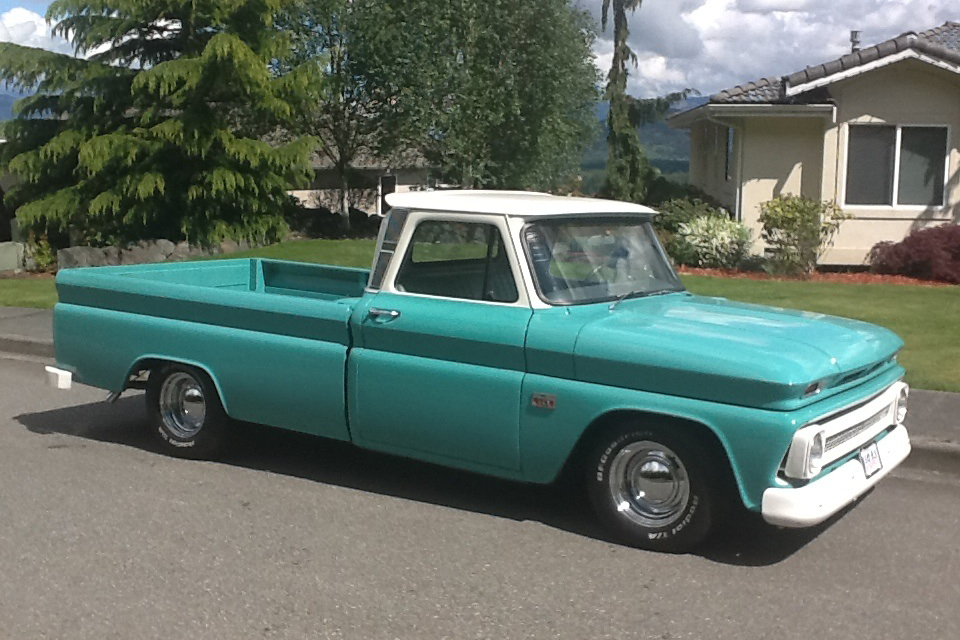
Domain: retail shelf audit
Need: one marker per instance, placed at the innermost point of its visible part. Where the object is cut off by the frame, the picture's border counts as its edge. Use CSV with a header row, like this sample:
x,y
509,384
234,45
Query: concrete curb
x,y
24,346
934,455
929,454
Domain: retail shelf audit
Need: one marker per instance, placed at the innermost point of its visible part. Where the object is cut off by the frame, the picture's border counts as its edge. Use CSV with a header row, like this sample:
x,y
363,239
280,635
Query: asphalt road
x,y
295,537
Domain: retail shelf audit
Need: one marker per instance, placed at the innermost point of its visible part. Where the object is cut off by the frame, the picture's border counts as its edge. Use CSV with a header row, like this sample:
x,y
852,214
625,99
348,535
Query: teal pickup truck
x,y
514,334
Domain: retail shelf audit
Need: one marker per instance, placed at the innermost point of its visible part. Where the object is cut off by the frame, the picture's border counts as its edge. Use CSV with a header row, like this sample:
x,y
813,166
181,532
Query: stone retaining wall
x,y
143,252
15,256
11,255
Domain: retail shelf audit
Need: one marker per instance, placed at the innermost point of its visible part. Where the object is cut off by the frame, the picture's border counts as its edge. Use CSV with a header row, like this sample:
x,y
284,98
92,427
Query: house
x,y
370,179
877,131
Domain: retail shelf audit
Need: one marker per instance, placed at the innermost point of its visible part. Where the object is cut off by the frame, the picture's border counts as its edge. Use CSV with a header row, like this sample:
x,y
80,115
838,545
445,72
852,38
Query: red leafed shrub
x,y
928,254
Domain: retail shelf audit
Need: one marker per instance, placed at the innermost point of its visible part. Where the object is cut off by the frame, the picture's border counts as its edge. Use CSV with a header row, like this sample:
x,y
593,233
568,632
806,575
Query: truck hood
x,y
736,353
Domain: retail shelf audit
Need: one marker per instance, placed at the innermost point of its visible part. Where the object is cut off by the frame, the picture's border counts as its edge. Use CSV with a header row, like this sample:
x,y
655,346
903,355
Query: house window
x,y
728,156
896,165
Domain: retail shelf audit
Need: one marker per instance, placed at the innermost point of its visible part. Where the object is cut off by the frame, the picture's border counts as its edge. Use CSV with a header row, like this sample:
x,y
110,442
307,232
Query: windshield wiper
x,y
640,294
621,298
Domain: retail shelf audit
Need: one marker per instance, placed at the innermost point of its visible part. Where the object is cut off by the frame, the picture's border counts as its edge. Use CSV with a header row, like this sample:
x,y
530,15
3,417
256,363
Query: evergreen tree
x,y
629,174
158,132
628,170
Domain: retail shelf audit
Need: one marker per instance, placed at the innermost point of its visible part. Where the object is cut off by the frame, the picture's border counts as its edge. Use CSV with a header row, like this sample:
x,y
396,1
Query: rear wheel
x,y
185,411
653,488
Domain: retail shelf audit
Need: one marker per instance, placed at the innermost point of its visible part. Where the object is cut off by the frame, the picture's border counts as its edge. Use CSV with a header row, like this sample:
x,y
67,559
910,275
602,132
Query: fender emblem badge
x,y
544,401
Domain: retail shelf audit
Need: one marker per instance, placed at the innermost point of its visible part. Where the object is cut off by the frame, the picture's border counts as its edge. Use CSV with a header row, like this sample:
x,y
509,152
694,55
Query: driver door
x,y
441,360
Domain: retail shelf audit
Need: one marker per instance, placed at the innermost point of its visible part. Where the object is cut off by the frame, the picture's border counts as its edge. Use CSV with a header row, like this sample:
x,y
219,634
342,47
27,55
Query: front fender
x,y
754,440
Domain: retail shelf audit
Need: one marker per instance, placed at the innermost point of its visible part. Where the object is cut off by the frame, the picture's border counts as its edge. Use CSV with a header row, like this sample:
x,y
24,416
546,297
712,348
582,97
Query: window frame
x,y
499,222
728,154
898,138
386,248
613,217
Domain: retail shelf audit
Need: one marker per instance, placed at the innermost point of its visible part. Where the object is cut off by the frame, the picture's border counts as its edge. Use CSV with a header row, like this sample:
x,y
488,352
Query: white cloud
x,y
22,26
711,45
765,6
708,45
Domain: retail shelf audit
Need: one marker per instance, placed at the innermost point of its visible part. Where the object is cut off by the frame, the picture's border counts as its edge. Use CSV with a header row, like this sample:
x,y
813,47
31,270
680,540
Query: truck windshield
x,y
577,261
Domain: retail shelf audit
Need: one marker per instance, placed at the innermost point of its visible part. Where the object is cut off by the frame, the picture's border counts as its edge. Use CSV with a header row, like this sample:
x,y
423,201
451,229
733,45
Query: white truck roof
x,y
512,203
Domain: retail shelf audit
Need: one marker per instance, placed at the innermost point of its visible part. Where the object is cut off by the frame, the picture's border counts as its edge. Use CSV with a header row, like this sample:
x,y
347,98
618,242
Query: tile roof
x,y
941,42
763,90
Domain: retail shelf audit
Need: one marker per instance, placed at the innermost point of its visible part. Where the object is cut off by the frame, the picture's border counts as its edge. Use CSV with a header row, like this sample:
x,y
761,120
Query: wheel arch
x,y
152,362
615,419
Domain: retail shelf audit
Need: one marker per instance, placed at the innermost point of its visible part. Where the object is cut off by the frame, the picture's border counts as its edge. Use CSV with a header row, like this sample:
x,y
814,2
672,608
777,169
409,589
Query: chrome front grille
x,y
859,373
850,433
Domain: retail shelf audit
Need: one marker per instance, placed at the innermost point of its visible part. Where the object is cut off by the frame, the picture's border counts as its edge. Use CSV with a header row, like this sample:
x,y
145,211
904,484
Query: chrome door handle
x,y
380,313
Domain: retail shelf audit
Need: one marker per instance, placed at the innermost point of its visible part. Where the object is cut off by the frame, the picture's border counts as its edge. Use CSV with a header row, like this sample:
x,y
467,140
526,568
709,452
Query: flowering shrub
x,y
711,241
799,230
928,254
675,212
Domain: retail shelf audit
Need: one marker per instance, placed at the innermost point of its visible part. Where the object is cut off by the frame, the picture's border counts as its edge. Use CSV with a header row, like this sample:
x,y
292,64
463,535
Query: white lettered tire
x,y
652,488
185,411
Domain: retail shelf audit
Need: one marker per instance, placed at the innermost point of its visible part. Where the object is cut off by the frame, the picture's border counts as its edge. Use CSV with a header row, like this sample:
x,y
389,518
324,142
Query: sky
x,y
707,45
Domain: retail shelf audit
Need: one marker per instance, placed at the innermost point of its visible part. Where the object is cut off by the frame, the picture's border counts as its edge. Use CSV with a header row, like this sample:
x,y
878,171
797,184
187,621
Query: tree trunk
x,y
344,201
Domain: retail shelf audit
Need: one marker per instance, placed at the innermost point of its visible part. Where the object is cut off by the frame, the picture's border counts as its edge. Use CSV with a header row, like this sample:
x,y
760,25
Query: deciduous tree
x,y
341,115
493,93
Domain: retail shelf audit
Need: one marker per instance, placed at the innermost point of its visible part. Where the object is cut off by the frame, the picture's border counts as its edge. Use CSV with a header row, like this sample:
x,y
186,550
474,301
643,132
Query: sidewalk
x,y
934,420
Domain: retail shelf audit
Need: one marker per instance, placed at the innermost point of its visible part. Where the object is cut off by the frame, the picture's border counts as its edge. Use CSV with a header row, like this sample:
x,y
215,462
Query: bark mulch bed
x,y
26,275
819,276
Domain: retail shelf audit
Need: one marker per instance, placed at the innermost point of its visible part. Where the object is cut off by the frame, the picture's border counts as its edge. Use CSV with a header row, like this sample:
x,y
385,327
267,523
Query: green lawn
x,y
927,318
27,292
347,253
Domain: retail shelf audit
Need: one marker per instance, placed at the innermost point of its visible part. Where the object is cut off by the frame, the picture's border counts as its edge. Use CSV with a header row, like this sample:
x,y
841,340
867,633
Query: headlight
x,y
902,403
805,457
815,455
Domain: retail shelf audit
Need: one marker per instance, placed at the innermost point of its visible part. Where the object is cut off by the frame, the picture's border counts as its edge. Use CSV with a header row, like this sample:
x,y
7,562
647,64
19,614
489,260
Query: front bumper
x,y
815,502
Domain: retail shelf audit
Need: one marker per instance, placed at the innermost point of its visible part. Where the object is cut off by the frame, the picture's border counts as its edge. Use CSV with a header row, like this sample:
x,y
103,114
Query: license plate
x,y
870,458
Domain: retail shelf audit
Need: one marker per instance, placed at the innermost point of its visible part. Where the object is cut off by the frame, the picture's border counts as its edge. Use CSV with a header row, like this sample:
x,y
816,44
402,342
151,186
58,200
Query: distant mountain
x,y
7,98
668,149
603,107
6,105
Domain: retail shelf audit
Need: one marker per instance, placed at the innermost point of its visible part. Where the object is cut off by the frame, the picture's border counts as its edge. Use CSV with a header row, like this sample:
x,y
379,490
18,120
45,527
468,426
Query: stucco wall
x,y
708,161
905,93
780,156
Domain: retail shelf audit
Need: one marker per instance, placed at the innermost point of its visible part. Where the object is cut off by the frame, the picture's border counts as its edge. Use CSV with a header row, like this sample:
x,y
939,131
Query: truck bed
x,y
274,296
255,275
271,330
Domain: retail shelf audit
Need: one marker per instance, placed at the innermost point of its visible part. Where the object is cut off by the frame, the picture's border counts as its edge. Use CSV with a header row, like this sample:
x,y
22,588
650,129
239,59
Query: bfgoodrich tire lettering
x,y
185,411
652,488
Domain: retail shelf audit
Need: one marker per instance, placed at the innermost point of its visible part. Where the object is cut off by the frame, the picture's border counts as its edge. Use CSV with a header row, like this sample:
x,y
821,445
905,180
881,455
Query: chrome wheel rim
x,y
649,484
182,405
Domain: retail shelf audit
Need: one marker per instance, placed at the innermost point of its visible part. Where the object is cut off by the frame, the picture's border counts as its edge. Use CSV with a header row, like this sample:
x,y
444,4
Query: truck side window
x,y
457,260
390,230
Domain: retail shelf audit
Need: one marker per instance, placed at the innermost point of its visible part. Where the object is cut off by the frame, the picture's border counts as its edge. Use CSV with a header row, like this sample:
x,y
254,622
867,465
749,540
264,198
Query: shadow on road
x,y
745,540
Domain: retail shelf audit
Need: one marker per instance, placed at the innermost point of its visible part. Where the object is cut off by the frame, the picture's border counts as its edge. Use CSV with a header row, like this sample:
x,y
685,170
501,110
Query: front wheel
x,y
652,488
185,411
